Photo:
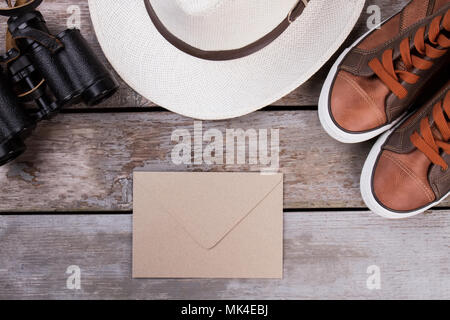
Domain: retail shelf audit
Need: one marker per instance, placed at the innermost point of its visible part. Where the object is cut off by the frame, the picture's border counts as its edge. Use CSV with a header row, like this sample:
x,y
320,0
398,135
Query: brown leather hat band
x,y
224,55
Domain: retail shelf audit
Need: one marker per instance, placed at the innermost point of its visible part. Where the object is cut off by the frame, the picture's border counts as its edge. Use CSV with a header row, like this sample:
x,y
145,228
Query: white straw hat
x,y
218,59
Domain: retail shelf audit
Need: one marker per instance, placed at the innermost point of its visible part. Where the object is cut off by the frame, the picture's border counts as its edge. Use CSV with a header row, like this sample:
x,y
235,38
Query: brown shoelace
x,y
426,140
436,48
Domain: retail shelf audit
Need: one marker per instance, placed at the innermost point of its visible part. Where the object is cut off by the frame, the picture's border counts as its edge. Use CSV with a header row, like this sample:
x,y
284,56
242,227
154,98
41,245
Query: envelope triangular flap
x,y
208,205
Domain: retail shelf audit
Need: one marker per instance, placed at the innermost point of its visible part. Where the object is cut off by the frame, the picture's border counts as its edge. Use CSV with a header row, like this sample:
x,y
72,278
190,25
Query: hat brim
x,y
214,90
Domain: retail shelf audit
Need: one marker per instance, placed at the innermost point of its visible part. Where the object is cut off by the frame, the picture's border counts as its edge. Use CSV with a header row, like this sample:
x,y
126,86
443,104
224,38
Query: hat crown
x,y
215,25
198,7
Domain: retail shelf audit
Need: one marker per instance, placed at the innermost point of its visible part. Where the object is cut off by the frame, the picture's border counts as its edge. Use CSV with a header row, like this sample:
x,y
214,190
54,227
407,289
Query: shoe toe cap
x,y
399,186
353,107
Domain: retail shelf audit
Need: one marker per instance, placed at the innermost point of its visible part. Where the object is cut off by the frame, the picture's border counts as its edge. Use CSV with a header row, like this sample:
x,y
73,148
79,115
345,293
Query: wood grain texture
x,y
84,162
326,257
58,13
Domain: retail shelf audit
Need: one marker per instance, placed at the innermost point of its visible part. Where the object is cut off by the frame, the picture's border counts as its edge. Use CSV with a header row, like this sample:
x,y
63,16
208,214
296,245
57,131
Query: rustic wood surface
x,y
327,255
85,162
82,161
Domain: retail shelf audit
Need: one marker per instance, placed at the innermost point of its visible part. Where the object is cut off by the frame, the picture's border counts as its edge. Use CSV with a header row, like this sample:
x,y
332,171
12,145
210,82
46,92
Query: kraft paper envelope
x,y
207,225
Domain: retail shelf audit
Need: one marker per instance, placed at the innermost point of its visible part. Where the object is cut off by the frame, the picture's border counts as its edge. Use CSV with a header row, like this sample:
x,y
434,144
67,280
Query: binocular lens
x,y
99,91
86,72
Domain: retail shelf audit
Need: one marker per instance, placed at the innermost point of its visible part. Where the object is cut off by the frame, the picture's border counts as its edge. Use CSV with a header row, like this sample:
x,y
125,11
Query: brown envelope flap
x,y
208,205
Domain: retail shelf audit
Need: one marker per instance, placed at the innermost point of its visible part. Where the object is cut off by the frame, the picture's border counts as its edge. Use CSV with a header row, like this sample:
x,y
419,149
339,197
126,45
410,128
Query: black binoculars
x,y
51,71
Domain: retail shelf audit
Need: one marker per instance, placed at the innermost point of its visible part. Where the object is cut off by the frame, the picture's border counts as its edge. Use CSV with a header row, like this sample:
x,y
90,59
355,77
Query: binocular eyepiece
x,y
51,71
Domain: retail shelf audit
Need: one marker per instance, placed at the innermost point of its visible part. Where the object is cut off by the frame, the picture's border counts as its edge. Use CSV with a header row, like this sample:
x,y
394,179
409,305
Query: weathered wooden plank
x,y
85,162
59,14
327,255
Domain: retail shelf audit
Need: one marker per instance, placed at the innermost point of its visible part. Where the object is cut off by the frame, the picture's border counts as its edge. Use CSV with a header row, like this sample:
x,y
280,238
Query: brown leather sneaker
x,y
407,171
376,81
